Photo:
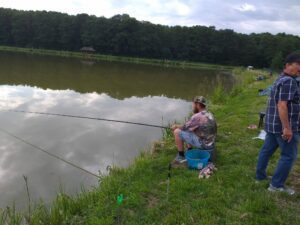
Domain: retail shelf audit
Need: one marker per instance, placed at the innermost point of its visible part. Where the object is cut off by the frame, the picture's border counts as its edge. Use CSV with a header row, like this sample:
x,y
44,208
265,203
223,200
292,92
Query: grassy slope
x,y
230,196
167,63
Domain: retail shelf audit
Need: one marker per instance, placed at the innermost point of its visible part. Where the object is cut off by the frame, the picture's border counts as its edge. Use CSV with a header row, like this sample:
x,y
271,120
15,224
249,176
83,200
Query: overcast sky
x,y
248,16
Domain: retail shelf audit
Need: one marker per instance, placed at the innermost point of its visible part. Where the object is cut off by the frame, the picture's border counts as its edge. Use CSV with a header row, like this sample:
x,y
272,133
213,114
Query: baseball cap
x,y
293,57
200,99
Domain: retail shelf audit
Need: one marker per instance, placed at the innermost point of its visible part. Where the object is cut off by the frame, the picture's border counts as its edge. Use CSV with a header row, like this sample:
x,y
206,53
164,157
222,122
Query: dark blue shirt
x,y
285,88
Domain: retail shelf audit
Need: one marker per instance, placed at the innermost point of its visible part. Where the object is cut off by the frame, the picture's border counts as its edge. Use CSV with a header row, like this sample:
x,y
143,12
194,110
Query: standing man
x,y
200,131
282,126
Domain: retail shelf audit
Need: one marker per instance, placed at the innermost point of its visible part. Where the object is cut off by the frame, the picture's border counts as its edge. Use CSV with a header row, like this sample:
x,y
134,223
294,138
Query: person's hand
x,y
287,134
174,127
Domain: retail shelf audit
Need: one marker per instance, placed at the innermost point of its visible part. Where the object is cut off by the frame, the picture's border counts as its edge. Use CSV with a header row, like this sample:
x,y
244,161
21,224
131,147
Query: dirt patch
x,y
152,201
295,180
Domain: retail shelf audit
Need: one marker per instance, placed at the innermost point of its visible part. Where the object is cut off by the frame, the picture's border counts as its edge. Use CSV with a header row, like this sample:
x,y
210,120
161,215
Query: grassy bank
x,y
230,196
111,58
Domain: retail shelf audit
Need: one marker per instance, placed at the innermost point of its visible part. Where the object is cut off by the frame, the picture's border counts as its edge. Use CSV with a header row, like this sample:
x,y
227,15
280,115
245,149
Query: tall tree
x,y
277,61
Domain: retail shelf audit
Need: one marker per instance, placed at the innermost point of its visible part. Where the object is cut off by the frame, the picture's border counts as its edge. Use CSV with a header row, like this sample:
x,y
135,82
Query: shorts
x,y
191,138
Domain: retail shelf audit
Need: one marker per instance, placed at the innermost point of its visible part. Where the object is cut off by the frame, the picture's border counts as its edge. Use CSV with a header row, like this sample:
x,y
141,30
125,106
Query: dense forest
x,y
125,36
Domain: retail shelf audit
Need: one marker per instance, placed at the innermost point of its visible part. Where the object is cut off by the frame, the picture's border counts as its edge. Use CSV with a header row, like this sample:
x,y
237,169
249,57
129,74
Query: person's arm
x,y
286,93
190,125
283,115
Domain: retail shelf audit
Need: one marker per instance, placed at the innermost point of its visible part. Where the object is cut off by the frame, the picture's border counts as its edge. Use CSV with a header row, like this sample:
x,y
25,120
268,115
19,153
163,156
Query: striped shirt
x,y
285,88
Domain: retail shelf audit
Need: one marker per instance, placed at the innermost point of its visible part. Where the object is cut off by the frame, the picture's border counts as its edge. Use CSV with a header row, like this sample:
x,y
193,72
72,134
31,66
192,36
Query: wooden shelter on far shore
x,y
88,50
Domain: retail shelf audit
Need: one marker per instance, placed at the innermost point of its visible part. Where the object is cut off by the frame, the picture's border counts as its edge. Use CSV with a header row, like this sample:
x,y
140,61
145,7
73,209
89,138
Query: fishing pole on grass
x,y
168,181
49,153
89,118
119,203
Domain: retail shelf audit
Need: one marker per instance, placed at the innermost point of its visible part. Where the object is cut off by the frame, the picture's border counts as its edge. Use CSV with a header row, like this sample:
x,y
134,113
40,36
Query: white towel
x,y
261,136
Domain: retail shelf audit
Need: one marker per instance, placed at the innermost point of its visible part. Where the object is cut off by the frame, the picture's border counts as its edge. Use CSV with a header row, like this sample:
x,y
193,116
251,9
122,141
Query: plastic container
x,y
197,158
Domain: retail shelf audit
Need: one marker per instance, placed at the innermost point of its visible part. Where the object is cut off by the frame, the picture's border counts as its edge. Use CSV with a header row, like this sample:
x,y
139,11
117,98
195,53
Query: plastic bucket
x,y
197,158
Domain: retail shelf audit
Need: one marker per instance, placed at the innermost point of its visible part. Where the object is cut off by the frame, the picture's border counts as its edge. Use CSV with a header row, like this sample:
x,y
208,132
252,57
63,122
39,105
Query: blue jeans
x,y
288,157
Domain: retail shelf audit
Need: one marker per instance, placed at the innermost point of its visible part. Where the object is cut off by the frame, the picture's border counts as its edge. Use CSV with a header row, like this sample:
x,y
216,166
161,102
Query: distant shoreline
x,y
111,58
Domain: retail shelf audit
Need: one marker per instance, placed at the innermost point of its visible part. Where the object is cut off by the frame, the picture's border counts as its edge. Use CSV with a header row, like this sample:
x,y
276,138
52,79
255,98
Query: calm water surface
x,y
121,91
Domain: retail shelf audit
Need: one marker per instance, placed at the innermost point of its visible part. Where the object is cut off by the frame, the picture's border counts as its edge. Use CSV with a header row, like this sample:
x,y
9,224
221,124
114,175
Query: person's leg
x,y
178,140
288,157
179,143
190,138
189,146
265,153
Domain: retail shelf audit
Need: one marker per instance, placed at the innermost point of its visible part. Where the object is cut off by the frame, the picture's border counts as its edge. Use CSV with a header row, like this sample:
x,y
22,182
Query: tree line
x,y
125,36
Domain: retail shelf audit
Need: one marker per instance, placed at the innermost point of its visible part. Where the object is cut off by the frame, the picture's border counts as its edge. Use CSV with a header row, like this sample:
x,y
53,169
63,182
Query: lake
x,y
131,92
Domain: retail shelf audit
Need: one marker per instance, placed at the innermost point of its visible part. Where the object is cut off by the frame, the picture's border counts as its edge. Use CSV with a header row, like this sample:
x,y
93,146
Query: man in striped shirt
x,y
282,126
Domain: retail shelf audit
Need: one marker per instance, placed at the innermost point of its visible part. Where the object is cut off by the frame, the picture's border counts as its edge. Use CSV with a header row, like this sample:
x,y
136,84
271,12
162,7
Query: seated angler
x,y
199,132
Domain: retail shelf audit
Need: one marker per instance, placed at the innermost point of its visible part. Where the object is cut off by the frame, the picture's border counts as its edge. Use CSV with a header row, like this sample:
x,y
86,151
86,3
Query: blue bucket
x,y
197,159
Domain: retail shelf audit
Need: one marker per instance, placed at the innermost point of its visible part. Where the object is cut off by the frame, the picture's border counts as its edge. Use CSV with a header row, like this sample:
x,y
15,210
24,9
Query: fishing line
x,y
87,117
49,153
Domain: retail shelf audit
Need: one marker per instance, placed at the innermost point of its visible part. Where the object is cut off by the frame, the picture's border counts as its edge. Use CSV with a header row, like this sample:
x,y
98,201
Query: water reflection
x,y
119,80
90,144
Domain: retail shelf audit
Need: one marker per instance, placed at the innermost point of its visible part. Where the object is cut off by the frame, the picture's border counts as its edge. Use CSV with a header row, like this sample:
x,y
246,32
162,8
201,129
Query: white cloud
x,y
246,7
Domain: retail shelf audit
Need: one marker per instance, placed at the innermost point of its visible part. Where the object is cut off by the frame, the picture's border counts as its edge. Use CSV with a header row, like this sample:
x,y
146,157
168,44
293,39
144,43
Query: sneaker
x,y
286,190
179,159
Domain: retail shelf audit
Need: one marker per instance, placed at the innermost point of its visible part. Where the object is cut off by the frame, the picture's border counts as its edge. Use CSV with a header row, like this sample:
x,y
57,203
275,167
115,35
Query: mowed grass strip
x,y
114,58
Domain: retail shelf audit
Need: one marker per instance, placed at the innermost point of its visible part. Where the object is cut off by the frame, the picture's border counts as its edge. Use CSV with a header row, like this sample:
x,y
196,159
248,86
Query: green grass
x,y
229,196
111,58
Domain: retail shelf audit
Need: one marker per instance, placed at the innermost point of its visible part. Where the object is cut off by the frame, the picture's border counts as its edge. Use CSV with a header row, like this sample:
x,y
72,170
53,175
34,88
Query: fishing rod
x,y
49,153
168,181
87,117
